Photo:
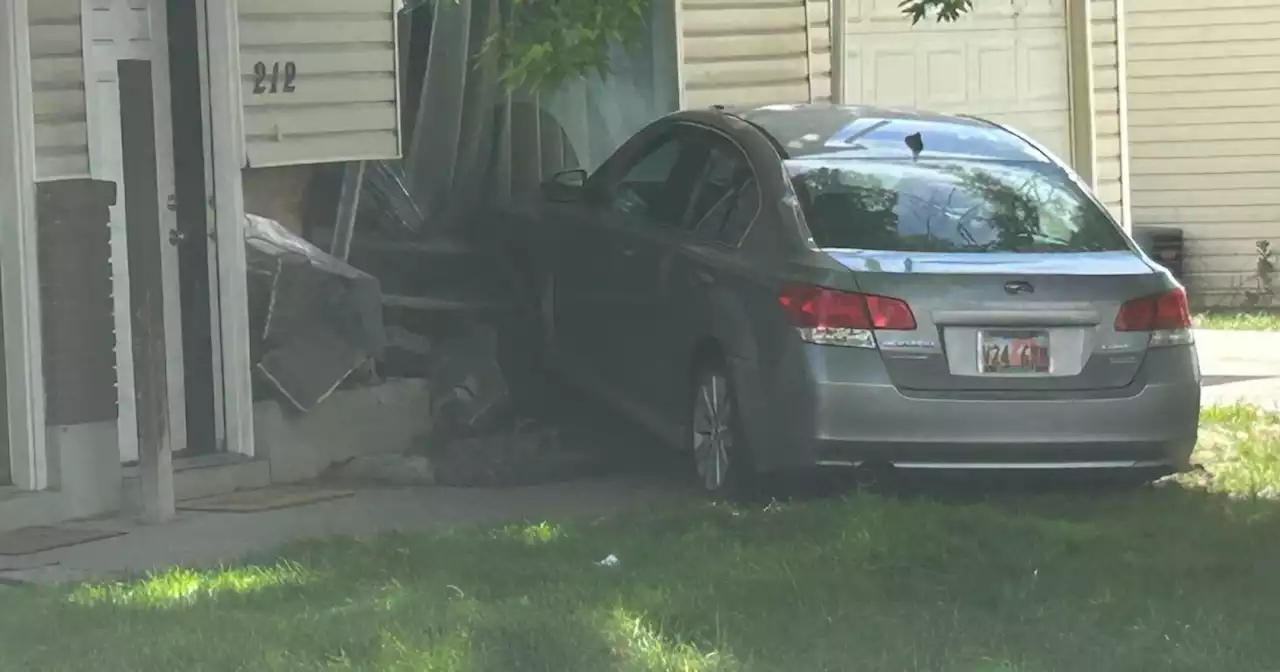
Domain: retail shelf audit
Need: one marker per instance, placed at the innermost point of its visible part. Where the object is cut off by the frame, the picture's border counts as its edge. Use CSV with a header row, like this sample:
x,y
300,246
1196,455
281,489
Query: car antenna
x,y
916,144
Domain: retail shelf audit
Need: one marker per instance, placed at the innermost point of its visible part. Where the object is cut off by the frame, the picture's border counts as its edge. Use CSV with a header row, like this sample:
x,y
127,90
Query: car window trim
x,y
755,174
625,159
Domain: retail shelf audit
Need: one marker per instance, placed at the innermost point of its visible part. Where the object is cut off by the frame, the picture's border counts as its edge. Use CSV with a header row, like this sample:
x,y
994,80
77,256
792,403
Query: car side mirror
x,y
565,186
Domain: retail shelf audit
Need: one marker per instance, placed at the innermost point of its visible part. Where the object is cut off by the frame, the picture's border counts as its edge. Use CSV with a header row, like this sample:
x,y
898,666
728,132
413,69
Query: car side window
x,y
727,198
648,188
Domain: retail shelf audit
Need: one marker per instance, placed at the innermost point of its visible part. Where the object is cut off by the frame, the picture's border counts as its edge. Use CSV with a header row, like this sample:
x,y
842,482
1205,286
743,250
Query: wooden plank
x,y
322,60
323,149
306,7
369,88
312,31
290,121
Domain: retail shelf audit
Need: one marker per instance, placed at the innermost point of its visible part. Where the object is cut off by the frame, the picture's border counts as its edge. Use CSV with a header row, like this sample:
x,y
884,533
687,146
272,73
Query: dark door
x,y
192,223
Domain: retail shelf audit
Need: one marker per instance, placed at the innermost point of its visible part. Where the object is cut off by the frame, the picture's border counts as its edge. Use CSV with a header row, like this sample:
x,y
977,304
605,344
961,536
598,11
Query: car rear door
x,y
676,262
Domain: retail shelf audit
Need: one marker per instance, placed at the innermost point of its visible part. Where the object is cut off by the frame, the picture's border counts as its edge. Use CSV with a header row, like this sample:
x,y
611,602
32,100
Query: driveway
x,y
1240,366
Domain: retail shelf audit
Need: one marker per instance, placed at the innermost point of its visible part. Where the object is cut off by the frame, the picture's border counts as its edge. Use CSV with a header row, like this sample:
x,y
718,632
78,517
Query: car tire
x,y
718,450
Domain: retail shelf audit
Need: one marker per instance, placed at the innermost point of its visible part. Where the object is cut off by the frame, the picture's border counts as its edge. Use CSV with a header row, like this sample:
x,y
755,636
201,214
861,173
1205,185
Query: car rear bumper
x,y
1150,424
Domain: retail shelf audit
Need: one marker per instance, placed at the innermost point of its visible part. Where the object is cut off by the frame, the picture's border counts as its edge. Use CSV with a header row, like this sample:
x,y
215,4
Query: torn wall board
x,y
313,319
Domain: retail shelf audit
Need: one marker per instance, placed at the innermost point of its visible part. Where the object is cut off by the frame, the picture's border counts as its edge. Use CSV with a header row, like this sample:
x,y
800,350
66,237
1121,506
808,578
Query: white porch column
x,y
23,347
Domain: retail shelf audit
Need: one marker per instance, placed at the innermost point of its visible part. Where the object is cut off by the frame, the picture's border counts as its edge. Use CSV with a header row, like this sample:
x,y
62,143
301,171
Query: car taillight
x,y
835,317
1167,316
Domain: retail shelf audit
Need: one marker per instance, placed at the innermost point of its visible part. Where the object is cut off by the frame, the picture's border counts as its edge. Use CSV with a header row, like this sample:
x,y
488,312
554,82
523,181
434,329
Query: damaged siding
x,y
319,81
755,51
1204,118
57,82
1108,142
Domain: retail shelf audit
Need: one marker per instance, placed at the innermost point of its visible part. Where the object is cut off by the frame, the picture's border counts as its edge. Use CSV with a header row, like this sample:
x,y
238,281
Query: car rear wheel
x,y
719,451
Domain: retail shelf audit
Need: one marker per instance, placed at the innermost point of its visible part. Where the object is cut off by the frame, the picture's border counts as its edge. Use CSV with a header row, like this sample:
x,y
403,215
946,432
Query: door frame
x,y
225,125
102,103
19,260
215,314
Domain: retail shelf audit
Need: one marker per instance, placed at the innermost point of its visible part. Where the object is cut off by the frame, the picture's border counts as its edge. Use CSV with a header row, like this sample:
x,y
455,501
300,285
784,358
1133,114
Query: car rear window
x,y
851,132
949,206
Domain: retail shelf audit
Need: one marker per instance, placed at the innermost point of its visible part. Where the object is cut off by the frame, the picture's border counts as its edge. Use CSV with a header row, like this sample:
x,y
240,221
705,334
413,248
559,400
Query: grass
x,y
1239,320
1185,576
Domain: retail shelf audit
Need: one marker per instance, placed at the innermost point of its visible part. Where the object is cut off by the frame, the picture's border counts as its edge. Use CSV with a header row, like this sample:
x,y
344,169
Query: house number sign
x,y
274,78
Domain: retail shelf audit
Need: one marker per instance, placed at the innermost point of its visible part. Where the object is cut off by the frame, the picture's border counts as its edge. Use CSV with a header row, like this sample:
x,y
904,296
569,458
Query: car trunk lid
x,y
1008,321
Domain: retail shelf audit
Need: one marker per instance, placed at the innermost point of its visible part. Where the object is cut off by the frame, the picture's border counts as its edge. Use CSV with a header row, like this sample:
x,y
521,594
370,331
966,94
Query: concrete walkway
x,y
1240,366
210,539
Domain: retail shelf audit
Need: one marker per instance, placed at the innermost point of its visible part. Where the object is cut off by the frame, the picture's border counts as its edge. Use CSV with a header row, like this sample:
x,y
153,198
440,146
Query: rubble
x,y
472,395
313,319
387,469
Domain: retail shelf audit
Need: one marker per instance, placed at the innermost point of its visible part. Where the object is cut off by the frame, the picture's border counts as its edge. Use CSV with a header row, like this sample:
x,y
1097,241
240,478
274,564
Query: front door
x,y
133,31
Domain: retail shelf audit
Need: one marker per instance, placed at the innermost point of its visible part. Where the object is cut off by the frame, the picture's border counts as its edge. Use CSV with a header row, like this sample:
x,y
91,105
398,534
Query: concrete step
x,y
203,476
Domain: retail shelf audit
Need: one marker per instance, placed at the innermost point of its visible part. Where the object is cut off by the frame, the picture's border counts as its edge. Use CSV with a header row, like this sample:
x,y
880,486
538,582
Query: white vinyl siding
x,y
1204,120
57,82
1108,145
1007,64
344,103
755,51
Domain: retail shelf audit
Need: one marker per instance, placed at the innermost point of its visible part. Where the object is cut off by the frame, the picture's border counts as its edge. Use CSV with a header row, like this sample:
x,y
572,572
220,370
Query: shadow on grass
x,y
973,574
951,579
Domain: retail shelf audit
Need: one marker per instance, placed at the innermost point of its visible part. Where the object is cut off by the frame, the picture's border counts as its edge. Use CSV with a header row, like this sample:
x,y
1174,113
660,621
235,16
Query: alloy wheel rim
x,y
712,436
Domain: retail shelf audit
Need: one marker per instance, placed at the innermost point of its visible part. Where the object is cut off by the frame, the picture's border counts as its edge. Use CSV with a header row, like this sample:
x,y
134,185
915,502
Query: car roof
x,y
824,131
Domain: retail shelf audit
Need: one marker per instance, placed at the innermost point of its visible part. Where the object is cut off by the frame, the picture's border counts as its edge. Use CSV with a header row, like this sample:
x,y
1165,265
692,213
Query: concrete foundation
x,y
84,475
87,479
350,423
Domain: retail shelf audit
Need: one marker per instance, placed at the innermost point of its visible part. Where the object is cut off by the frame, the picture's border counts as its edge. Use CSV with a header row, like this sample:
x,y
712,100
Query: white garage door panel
x,y
1001,64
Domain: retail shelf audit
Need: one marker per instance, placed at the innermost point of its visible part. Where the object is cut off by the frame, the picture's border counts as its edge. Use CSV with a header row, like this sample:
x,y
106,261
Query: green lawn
x,y
1239,320
1180,577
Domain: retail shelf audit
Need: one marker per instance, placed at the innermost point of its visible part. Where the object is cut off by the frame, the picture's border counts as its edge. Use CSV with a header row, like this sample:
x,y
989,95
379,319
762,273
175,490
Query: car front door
x,y
590,285
642,206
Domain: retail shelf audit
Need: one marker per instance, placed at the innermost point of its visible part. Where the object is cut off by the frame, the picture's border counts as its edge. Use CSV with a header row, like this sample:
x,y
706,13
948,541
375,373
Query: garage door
x,y
1006,61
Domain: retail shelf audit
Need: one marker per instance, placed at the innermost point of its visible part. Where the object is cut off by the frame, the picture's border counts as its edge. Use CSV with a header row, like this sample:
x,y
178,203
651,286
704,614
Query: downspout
x,y
1122,92
839,51
808,49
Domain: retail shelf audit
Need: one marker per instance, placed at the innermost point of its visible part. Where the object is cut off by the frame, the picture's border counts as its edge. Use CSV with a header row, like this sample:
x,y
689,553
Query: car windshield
x,y
949,205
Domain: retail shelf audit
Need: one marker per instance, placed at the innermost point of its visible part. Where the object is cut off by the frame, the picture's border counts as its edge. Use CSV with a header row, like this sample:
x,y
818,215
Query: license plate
x,y
1013,352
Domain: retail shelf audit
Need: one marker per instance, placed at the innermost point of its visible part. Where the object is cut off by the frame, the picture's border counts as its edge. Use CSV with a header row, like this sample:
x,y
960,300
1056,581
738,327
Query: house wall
x,y
340,103
57,78
1204,128
1109,145
81,448
755,51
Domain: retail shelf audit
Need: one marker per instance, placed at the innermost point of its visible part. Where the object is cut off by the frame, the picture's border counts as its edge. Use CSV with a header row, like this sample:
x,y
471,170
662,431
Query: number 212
x,y
261,75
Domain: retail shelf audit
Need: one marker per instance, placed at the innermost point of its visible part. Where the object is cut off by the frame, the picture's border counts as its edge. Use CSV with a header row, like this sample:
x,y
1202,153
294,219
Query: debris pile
x,y
313,319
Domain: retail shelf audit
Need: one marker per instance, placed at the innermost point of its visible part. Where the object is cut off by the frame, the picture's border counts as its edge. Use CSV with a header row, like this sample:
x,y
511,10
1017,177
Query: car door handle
x,y
705,278
628,252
